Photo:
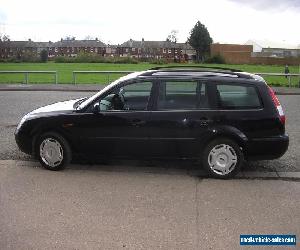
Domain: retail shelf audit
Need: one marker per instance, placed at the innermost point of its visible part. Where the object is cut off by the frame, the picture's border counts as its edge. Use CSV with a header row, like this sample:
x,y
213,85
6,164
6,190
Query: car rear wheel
x,y
53,151
222,158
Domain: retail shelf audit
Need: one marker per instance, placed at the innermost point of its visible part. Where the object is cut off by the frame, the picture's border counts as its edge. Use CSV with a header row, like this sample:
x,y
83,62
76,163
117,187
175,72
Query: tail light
x,y
277,105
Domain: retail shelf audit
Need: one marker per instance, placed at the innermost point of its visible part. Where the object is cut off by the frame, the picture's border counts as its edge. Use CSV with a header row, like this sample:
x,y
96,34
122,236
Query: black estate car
x,y
218,116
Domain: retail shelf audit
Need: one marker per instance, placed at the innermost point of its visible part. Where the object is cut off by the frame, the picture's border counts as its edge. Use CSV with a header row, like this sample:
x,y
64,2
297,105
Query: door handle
x,y
203,121
137,122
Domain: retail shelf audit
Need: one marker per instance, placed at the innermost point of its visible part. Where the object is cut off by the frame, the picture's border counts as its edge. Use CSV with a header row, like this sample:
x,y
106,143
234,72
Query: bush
x,y
94,58
217,59
44,55
27,57
128,60
159,61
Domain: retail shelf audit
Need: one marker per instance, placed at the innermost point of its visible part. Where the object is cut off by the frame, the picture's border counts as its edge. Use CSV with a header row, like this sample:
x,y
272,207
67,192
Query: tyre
x,y
222,158
53,151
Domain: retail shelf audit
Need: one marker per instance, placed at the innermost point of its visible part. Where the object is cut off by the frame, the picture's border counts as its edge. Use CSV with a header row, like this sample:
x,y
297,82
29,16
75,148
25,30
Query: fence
x,y
26,74
288,76
108,73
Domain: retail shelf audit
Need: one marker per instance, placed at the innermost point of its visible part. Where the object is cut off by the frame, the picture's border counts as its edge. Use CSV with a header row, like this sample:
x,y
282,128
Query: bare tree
x,y
4,38
69,38
172,37
88,37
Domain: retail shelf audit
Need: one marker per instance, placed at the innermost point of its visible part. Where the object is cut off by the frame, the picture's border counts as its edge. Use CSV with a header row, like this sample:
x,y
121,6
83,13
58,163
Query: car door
x,y
118,130
181,118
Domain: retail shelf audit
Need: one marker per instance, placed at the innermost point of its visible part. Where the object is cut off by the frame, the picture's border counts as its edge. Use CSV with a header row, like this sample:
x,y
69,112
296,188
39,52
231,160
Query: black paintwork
x,y
161,134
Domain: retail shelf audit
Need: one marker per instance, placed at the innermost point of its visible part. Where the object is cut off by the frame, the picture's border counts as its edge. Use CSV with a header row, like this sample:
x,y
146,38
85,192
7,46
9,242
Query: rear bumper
x,y
267,148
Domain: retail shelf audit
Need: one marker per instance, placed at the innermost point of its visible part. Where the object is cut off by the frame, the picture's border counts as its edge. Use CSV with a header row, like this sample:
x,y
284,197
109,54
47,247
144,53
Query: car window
x,y
134,96
231,96
181,95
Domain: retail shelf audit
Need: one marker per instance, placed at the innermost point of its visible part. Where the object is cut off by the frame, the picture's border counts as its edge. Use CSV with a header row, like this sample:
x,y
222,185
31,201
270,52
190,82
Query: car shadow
x,y
165,167
141,166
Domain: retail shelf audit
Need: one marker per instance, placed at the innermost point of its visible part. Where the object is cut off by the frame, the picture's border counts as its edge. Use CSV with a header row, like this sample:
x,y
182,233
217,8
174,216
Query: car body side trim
x,y
181,110
144,138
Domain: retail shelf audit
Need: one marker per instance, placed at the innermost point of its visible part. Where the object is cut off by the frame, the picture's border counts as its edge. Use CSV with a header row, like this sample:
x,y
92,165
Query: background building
x,y
254,53
144,50
170,51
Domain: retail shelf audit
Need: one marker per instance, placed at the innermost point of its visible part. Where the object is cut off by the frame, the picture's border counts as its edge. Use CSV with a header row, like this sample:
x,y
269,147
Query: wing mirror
x,y
122,91
96,108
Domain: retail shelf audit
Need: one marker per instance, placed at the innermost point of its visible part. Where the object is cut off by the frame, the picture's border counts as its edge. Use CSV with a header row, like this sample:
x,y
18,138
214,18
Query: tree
x,y
88,37
200,40
44,55
172,37
4,38
69,38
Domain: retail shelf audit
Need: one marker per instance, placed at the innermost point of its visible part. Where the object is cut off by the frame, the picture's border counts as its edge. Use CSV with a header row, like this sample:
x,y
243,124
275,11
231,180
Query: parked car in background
x,y
221,117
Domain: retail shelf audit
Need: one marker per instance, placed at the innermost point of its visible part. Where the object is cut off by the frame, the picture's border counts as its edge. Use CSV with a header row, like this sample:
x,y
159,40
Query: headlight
x,y
22,121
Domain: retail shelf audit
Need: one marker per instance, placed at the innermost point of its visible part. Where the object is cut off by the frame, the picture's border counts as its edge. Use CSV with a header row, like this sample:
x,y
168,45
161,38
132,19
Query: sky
x,y
116,21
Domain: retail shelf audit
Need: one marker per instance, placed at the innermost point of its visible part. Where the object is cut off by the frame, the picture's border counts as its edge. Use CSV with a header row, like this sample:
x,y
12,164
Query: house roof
x,y
78,43
23,44
62,43
154,44
95,43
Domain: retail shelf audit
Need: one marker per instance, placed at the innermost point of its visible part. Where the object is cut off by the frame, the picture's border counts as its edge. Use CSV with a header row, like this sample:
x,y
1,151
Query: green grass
x,y
65,72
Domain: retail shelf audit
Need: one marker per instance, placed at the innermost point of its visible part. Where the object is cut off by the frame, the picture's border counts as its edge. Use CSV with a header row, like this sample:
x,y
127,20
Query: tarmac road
x,y
136,206
98,208
15,104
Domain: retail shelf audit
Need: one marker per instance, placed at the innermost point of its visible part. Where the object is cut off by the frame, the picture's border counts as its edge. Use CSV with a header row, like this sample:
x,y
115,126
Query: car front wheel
x,y
222,158
53,151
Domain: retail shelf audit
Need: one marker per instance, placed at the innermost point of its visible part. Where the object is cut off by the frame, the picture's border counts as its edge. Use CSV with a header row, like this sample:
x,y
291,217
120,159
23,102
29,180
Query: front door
x,y
120,127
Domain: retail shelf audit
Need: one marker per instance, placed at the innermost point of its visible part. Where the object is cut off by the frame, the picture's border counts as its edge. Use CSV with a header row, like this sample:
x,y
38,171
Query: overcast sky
x,y
115,21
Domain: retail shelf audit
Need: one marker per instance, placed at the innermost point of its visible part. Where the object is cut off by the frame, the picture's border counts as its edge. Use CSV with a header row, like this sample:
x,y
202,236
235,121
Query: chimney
x,y
143,40
29,40
96,38
61,39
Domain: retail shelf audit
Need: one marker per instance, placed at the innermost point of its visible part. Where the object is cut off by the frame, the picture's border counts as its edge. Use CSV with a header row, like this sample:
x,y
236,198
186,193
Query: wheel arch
x,y
227,132
40,130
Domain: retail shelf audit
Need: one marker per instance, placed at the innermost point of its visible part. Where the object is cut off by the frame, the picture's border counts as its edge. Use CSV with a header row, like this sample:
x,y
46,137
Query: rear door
x,y
180,118
240,106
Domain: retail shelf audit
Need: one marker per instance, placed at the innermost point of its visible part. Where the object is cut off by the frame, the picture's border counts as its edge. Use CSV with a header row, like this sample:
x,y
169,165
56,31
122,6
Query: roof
x,y
62,43
272,44
23,44
198,71
78,43
154,44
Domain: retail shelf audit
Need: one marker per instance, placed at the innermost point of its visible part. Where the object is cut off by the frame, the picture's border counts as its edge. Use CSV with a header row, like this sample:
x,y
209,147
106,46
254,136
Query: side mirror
x,y
122,91
96,108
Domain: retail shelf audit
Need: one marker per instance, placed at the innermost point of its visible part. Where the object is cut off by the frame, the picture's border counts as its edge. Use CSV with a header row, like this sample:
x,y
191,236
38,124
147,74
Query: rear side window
x,y
182,95
230,96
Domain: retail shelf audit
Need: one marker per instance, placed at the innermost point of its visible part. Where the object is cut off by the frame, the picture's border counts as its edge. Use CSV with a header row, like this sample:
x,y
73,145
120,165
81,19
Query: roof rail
x,y
195,66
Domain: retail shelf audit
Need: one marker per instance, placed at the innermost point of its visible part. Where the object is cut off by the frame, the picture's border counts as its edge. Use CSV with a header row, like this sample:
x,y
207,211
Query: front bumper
x,y
23,141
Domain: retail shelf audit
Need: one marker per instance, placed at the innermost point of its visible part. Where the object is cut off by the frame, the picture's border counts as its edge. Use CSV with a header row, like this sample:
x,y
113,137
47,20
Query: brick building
x,y
232,53
74,47
169,51
249,54
17,49
155,50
